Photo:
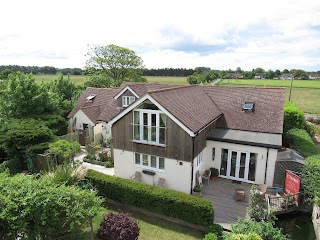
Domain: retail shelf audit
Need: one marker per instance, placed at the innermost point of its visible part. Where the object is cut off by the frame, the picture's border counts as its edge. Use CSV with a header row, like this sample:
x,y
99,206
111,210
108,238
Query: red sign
x,y
292,185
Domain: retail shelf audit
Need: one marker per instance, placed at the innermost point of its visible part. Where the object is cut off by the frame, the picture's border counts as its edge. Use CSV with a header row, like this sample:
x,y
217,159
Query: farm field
x,y
305,93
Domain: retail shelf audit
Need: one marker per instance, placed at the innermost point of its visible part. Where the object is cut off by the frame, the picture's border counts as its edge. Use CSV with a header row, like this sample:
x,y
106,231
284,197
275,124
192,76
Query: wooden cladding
x,y
178,142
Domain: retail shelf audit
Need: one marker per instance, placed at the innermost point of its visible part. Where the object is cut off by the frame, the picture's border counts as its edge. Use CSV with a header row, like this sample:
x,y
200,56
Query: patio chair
x,y
239,194
161,182
136,176
206,175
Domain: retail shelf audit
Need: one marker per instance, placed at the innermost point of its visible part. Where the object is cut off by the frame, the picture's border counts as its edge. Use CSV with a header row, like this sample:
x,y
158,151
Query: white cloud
x,y
244,33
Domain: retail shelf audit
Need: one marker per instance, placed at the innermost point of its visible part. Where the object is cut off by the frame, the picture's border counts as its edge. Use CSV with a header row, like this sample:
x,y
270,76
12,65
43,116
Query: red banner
x,y
292,185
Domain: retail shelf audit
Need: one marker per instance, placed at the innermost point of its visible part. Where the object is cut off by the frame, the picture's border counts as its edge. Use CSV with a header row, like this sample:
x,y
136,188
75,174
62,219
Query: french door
x,y
237,165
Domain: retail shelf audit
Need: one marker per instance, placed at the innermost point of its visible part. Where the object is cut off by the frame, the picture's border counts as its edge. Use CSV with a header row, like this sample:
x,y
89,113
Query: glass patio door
x,y
238,165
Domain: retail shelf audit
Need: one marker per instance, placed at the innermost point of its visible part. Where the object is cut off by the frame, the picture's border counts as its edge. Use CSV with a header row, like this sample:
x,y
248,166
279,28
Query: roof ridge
x,y
169,88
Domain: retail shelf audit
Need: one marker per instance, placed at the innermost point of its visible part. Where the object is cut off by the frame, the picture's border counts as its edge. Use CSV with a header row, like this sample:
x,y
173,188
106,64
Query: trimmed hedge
x,y
293,117
160,200
311,177
300,140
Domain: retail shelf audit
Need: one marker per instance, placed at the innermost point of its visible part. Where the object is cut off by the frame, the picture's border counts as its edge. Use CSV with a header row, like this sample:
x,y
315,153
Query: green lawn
x,y
167,80
151,227
78,79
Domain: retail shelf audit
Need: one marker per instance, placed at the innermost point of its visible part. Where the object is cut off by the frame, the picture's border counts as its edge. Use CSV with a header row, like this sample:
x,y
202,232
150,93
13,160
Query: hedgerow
x,y
293,117
160,200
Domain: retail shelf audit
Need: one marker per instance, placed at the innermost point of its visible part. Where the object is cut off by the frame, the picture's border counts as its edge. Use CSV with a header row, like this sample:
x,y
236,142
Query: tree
x,y
63,150
24,98
99,80
50,211
119,63
285,71
270,74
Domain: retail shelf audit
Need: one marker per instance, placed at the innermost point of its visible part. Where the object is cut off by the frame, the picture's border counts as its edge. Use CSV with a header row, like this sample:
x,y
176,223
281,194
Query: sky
x,y
224,34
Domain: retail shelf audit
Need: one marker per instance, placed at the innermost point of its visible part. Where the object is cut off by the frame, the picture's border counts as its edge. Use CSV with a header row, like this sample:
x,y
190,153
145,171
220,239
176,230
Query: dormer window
x,y
91,97
248,106
127,100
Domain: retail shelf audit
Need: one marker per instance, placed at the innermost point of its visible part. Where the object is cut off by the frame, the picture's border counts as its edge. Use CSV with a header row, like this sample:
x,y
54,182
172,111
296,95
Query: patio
x,y
226,210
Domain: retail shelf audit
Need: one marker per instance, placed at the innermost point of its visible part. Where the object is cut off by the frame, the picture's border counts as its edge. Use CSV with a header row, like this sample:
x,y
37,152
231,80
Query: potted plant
x,y
197,191
214,173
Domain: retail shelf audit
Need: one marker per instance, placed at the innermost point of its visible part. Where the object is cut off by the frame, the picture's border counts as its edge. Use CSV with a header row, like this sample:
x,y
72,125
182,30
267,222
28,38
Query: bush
x,y
293,117
239,236
109,164
118,226
164,201
311,176
311,129
264,229
216,229
300,141
14,166
210,236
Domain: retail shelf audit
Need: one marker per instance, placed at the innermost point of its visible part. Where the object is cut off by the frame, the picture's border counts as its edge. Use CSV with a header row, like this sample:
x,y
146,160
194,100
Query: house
x,y
314,76
235,75
176,132
260,76
287,76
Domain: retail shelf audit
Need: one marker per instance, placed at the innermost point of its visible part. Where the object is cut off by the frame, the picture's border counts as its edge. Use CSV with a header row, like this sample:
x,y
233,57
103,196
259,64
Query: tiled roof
x,y
267,115
189,104
196,106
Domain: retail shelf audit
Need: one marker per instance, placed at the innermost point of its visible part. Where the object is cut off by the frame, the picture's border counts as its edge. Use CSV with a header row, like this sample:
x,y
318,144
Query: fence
x,y
43,162
280,170
282,204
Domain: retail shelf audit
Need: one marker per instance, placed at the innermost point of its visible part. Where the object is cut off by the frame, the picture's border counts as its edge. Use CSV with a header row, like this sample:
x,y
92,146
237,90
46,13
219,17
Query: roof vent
x,y
248,106
91,97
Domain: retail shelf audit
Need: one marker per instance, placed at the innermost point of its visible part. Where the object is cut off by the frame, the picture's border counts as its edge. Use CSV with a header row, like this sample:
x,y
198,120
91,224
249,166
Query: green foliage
x,y
264,229
216,229
293,117
118,226
196,78
258,209
109,164
210,236
64,174
311,129
63,150
239,236
21,137
41,209
14,166
119,63
24,98
98,80
311,176
300,141
164,201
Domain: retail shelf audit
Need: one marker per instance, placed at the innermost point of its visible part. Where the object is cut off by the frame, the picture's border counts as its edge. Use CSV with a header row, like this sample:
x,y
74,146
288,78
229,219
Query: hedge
x,y
300,141
160,200
293,117
311,177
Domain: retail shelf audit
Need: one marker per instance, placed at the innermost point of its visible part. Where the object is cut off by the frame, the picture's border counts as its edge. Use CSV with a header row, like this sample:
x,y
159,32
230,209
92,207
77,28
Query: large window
x,y
149,124
127,100
149,161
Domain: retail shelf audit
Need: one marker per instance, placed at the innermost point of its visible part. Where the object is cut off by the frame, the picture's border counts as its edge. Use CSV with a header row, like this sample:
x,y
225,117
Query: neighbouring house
x,y
287,76
235,75
260,76
175,132
314,76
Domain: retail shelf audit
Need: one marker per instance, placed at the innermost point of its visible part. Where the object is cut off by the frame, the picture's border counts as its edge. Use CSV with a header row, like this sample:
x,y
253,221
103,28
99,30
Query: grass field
x,y
305,93
151,227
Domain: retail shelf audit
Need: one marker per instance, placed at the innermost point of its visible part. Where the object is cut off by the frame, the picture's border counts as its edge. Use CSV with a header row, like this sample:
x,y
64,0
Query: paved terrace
x,y
226,210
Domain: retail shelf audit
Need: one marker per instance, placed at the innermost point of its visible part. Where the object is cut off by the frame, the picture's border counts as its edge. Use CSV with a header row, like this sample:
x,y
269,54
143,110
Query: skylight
x,y
91,97
248,106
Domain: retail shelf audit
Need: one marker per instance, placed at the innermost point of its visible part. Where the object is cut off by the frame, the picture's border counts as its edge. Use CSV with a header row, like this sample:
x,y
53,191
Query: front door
x,y
237,165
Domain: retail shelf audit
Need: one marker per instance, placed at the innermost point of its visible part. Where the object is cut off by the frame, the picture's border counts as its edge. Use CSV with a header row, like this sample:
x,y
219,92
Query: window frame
x,y
127,100
149,167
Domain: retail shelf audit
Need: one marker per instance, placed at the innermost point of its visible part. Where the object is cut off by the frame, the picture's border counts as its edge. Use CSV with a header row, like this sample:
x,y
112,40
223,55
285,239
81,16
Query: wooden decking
x,y
226,210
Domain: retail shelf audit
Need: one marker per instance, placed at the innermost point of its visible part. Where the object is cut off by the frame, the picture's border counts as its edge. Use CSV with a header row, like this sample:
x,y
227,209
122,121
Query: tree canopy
x,y
118,63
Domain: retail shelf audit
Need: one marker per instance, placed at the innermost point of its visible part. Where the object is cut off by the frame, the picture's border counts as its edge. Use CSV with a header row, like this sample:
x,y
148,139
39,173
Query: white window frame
x,y
140,165
127,100
149,126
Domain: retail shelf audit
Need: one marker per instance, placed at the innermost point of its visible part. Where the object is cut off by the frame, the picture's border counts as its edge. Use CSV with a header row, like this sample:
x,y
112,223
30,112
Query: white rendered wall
x,y
82,119
261,158
272,157
177,177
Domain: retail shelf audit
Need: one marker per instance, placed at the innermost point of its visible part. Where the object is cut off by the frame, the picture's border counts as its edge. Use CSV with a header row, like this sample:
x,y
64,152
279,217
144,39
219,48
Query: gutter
x,y
192,165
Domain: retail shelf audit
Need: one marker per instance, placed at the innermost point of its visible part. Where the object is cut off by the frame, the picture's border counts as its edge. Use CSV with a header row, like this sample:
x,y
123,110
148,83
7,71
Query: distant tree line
x,y
42,70
176,72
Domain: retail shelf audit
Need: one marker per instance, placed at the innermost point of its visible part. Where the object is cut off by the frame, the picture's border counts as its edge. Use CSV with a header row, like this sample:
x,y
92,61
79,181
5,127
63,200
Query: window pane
x,y
131,100
136,119
162,135
145,160
145,133
153,134
153,161
124,101
161,163
136,133
137,158
163,118
145,119
224,161
252,167
153,119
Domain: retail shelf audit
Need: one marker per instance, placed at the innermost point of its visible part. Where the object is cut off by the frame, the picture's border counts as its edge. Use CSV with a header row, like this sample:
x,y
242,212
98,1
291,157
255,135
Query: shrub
x,y
293,117
311,129
118,226
258,209
311,176
264,229
14,166
210,236
239,236
109,164
300,140
216,229
164,201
